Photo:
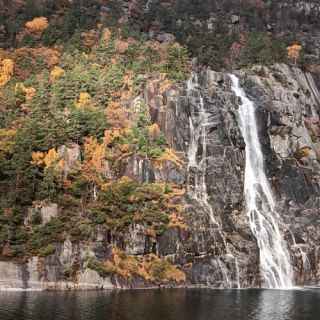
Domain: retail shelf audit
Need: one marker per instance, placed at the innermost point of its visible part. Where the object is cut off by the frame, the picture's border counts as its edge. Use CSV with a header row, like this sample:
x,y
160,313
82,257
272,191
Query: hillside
x,y
122,162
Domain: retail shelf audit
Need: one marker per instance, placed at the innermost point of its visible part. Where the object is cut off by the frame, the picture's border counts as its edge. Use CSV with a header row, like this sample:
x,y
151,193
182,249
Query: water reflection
x,y
274,304
190,304
286,305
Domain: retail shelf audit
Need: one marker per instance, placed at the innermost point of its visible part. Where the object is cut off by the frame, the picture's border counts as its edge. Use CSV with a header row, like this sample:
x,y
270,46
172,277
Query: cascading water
x,y
200,122
200,132
274,257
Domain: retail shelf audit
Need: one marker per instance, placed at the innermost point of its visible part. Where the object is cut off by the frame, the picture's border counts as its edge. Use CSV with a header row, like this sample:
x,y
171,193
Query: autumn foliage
x,y
29,92
37,25
46,159
6,71
84,100
94,166
150,267
117,116
63,96
56,73
294,52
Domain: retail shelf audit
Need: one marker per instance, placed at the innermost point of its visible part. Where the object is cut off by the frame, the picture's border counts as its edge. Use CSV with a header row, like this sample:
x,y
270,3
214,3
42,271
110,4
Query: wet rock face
x,y
287,102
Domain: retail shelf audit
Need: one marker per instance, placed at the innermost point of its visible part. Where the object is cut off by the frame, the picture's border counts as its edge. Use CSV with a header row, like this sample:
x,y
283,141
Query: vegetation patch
x,y
68,81
151,268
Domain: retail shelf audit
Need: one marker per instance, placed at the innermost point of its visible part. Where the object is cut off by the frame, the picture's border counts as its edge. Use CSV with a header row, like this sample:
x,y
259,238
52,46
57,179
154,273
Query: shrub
x,y
103,269
47,251
126,201
177,63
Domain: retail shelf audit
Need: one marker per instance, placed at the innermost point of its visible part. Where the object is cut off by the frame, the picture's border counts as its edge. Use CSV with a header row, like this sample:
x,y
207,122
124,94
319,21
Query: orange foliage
x,y
37,25
30,93
6,71
165,83
150,267
50,57
51,157
294,52
38,158
94,165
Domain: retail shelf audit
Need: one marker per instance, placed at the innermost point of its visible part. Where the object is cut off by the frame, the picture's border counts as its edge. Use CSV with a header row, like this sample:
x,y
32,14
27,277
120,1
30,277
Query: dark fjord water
x,y
191,304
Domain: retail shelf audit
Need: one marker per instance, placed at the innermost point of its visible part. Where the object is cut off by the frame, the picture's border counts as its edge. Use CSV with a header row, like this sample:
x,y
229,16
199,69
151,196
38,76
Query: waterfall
x,y
199,123
264,220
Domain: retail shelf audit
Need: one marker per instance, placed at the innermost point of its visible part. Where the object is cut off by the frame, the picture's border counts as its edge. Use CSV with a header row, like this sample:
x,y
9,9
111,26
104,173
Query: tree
x,y
294,52
48,159
7,137
94,164
56,73
117,116
84,101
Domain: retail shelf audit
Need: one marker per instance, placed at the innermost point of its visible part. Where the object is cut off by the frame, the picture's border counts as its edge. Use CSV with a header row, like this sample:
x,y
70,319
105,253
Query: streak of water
x,y
274,257
199,123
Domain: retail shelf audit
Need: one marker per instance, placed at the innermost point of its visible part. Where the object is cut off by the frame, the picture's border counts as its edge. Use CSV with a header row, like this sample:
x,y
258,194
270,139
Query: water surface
x,y
175,304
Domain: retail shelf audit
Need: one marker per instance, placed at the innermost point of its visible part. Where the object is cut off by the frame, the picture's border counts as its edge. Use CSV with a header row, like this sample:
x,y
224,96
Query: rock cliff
x,y
122,163
216,247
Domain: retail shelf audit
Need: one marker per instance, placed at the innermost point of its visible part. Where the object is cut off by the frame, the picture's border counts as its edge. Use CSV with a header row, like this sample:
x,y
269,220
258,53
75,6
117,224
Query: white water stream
x,y
275,264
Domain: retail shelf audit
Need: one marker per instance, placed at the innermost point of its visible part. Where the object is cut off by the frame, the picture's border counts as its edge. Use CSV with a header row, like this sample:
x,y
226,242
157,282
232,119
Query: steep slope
x,y
122,164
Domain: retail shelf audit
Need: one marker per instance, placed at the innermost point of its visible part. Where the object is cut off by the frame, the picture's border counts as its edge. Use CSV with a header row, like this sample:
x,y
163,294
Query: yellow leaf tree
x,y
84,101
50,159
6,71
56,73
94,164
52,165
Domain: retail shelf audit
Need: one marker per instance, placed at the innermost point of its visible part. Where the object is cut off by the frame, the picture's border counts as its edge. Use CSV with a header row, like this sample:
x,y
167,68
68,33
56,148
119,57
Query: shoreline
x,y
190,287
